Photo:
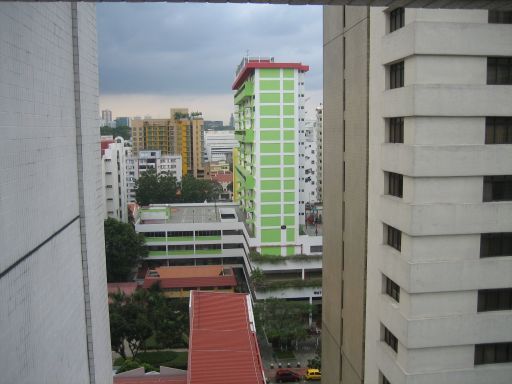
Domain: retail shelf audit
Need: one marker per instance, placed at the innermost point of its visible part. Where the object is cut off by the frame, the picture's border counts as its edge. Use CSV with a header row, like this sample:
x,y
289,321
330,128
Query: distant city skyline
x,y
151,60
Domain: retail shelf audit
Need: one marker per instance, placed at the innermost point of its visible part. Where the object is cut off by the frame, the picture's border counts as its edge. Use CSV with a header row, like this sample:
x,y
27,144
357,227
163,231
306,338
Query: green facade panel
x,y
270,135
270,172
288,72
271,251
272,122
270,235
270,72
289,208
271,221
271,209
270,97
270,110
289,220
270,197
288,110
270,85
288,159
270,160
290,251
288,172
289,135
289,196
290,234
289,122
267,185
289,184
288,85
288,97
289,147
270,148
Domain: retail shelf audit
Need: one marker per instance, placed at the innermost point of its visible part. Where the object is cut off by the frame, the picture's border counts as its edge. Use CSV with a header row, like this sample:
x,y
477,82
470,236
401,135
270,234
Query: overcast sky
x,y
154,56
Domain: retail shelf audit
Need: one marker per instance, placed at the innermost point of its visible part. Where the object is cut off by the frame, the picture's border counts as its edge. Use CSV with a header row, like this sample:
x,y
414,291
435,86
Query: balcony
x,y
250,182
247,90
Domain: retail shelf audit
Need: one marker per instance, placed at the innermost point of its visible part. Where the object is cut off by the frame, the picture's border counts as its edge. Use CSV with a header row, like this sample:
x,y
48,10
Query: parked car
x,y
286,375
313,374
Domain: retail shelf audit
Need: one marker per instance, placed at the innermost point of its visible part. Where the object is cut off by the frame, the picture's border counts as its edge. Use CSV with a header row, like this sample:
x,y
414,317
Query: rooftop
x,y
223,348
183,213
191,277
250,65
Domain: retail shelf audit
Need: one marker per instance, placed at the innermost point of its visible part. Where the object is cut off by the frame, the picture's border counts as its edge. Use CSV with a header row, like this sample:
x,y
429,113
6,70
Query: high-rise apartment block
x,y
219,145
53,291
106,115
307,168
417,196
150,160
319,131
113,160
269,110
182,135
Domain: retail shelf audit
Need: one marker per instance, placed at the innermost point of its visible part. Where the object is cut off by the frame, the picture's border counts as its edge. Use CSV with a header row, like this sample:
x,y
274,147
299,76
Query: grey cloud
x,y
195,48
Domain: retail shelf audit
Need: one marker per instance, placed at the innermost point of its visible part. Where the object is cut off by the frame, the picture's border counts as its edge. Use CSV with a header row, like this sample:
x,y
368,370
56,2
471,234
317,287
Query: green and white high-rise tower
x,y
269,112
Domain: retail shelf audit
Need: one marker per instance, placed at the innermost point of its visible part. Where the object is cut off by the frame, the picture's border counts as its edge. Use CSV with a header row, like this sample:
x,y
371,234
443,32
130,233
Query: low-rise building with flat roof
x,y
177,282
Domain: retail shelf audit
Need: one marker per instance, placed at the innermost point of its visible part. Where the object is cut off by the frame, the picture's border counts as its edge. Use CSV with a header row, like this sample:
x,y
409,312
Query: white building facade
x,y
307,168
54,325
319,132
440,198
150,160
114,169
219,145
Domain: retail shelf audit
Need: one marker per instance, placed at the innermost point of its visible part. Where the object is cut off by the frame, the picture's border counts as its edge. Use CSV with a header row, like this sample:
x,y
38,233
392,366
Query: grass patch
x,y
284,354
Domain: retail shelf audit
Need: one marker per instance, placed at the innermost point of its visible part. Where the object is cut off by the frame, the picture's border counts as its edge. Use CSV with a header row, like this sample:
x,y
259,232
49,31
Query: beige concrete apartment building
x,y
181,134
417,196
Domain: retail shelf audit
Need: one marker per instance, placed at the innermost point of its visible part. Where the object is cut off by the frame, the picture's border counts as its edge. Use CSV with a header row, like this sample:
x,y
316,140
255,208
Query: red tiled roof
x,y
223,177
251,65
191,282
223,348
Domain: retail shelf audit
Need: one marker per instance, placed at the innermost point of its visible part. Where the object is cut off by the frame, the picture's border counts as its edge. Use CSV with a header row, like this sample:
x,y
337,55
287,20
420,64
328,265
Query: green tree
x,y
257,277
284,322
151,188
130,364
198,190
123,249
124,131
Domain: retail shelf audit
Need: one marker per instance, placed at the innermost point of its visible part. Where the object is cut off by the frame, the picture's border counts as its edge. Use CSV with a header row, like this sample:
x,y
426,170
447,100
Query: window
x,y
392,288
500,17
390,339
495,300
498,130
496,244
396,130
396,19
316,248
232,246
394,238
499,70
395,184
493,353
497,188
396,75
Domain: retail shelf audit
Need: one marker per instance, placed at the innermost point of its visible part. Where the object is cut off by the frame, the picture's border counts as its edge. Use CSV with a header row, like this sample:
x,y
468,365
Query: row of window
x,y
498,130
499,72
397,18
496,188
491,244
488,299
